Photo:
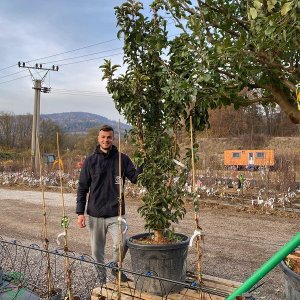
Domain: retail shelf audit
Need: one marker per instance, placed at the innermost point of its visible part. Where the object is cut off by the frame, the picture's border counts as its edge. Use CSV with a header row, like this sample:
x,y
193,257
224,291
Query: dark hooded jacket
x,y
100,178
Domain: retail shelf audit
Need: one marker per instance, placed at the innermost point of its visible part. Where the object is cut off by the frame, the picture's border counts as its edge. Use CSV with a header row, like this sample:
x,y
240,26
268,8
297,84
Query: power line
x,y
76,62
100,43
80,61
78,91
90,54
70,51
61,53
8,67
12,74
80,94
15,79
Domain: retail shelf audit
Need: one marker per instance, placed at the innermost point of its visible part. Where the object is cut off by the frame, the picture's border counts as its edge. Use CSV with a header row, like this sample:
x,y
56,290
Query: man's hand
x,y
81,221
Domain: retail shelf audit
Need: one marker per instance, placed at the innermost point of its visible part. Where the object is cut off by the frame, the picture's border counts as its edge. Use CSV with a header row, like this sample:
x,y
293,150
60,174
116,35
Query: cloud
x,y
34,29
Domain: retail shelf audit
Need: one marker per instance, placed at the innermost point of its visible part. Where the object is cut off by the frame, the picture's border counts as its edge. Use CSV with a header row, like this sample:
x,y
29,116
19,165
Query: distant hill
x,y
81,122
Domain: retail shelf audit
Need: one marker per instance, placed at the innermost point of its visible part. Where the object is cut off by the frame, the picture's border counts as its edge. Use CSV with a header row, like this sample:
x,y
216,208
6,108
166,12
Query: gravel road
x,y
237,241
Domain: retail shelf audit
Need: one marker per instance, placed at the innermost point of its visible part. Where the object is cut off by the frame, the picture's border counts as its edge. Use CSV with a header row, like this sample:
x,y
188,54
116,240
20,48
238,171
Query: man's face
x,y
105,140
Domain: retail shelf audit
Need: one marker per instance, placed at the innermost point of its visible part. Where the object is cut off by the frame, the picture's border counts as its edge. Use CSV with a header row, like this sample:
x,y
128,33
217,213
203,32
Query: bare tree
x,y
7,130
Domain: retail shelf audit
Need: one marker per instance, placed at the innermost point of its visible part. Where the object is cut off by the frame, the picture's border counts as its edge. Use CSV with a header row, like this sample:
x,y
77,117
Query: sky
x,y
76,35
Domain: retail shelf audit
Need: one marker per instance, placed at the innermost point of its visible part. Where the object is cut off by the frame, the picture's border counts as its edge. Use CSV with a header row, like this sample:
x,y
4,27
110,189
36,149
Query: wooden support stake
x,y
120,213
196,215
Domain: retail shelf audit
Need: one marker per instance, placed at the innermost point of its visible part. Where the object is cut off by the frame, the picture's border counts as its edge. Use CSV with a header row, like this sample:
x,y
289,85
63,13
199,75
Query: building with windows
x,y
249,159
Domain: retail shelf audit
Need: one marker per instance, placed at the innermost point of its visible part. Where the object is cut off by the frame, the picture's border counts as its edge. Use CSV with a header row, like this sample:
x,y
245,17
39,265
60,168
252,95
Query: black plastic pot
x,y
292,282
166,261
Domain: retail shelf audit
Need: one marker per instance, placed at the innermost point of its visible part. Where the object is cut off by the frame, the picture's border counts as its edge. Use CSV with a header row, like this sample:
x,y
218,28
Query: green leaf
x,y
286,8
206,77
269,31
257,4
271,4
253,13
284,34
119,34
64,222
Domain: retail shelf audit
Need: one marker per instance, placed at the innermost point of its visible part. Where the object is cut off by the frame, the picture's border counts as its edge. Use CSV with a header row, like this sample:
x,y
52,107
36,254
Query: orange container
x,y
253,158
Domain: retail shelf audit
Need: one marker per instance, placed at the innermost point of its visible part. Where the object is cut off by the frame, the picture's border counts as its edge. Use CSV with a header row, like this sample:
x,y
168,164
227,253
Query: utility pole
x,y
36,111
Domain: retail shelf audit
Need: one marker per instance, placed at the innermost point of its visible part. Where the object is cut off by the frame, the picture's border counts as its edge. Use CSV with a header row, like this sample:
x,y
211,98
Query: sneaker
x,y
114,272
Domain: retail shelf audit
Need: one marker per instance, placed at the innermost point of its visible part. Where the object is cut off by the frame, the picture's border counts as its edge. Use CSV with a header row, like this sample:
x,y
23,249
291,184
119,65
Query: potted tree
x,y
291,269
157,101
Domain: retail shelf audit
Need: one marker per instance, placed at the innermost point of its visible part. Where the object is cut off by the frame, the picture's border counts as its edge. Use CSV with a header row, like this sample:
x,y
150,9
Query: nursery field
x,y
237,240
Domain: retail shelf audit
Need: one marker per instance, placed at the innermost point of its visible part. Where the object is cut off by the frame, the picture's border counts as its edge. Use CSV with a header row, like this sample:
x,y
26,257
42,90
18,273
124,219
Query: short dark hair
x,y
106,128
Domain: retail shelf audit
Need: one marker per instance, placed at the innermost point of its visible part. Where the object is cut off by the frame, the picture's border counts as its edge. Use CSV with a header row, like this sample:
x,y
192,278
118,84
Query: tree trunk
x,y
282,100
158,236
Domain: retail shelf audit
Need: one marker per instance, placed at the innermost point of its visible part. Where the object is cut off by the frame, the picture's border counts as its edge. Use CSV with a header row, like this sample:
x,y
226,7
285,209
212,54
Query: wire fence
x,y
24,269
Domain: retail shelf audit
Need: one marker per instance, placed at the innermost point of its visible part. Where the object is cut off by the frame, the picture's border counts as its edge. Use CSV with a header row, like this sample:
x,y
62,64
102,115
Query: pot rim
x,y
288,271
171,246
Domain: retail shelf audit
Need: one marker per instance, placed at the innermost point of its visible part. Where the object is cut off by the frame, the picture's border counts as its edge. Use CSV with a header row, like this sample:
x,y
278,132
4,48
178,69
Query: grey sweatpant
x,y
98,230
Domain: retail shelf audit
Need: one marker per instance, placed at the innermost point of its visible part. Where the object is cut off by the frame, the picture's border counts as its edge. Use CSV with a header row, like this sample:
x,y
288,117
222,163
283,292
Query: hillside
x,y
81,122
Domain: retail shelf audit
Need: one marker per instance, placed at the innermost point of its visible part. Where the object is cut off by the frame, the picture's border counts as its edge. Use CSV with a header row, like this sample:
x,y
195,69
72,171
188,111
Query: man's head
x,y
105,137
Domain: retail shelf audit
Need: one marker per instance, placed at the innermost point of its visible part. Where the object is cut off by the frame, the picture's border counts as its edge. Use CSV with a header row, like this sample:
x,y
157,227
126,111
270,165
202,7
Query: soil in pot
x,y
162,260
293,261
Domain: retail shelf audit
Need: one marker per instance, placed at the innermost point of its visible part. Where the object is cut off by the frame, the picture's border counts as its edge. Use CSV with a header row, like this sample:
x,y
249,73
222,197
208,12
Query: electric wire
x,y
77,62
13,74
61,53
70,51
84,55
90,92
71,63
14,79
84,95
65,59
92,45
79,93
5,68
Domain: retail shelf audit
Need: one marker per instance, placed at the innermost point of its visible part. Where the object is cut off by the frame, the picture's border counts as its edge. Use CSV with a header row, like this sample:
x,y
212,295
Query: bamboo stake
x,y
65,226
196,216
120,212
45,227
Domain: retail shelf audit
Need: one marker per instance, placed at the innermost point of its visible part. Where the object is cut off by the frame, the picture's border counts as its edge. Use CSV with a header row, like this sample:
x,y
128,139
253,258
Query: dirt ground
x,y
237,240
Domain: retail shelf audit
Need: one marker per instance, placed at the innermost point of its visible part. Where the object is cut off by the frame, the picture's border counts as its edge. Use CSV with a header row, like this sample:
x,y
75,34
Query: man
x,y
100,178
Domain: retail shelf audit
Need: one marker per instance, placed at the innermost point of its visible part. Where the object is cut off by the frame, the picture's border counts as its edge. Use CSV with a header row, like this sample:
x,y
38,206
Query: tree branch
x,y
256,100
218,10
289,85
263,57
283,101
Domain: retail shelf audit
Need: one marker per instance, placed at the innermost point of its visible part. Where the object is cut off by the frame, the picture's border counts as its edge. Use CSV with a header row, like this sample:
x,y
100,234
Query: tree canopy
x,y
155,101
239,52
227,52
